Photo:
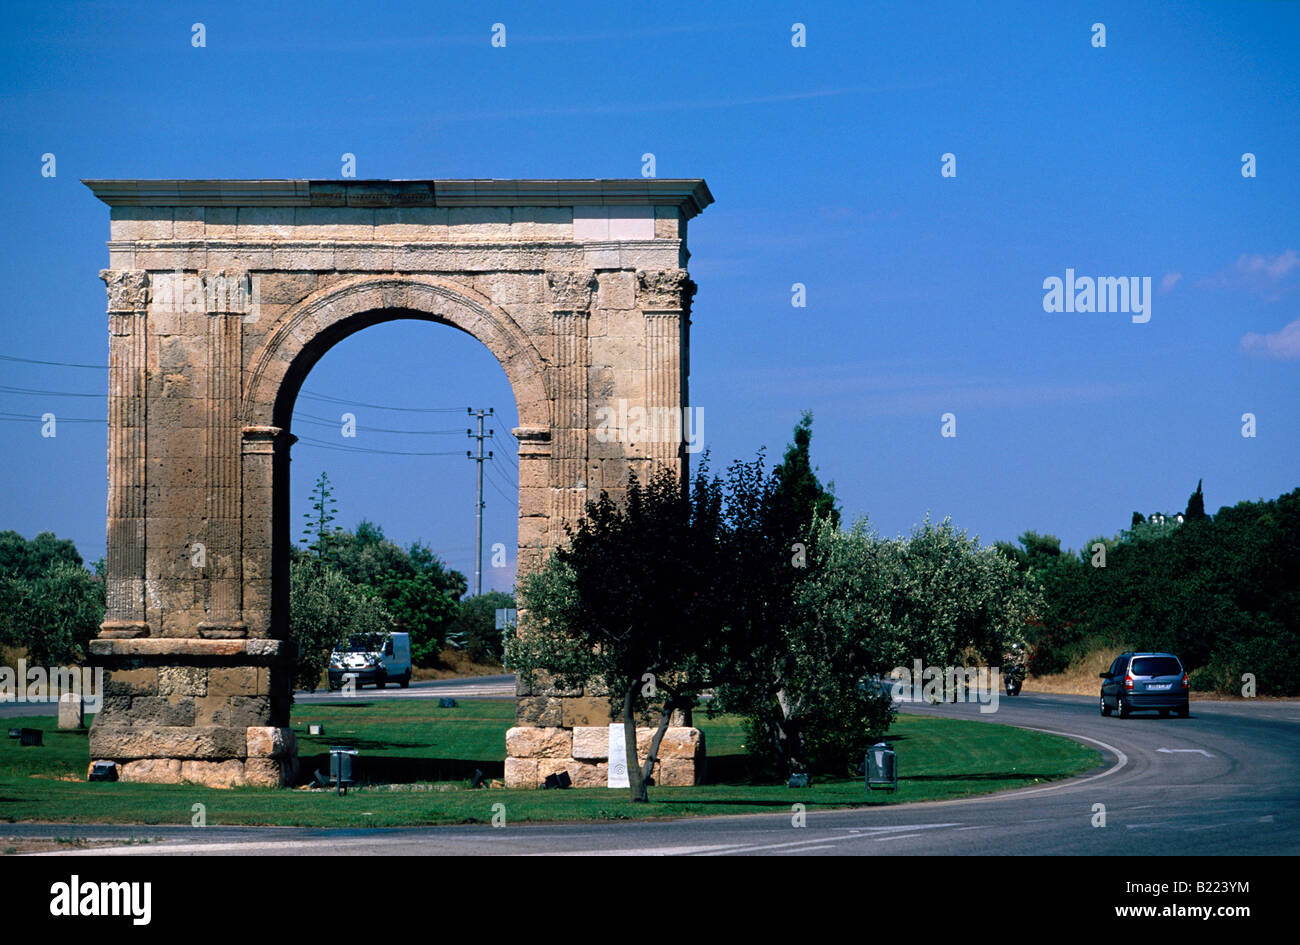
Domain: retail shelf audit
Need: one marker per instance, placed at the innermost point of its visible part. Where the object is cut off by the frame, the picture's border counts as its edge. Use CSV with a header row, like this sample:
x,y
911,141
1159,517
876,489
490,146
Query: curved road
x,y
1225,781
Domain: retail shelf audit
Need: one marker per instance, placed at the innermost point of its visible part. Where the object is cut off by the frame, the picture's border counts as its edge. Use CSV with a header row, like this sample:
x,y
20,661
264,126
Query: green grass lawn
x,y
433,752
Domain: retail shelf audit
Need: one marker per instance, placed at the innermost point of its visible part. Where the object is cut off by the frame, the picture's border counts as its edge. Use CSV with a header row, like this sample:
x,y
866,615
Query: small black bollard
x,y
103,771
31,736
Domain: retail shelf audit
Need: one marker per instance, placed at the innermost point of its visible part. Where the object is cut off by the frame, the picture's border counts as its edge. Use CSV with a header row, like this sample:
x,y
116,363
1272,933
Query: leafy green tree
x,y
628,603
475,628
325,609
21,558
419,591
767,544
53,614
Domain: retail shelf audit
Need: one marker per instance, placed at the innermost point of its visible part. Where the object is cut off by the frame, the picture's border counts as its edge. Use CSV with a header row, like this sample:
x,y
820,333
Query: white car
x,y
378,660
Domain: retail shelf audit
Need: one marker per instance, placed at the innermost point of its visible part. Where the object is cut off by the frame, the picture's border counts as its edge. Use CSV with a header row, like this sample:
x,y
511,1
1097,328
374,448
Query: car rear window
x,y
1156,666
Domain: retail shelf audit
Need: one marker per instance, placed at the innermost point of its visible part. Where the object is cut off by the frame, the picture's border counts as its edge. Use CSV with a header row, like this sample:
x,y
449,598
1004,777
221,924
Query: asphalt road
x,y
1224,781
476,687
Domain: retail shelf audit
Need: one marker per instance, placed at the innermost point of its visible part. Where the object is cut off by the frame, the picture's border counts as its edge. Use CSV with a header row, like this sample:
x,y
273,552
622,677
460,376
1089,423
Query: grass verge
x,y
430,752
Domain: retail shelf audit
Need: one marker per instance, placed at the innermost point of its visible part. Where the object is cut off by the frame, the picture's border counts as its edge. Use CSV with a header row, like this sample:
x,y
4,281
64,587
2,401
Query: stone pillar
x,y
222,452
568,729
187,703
570,363
663,296
534,496
128,300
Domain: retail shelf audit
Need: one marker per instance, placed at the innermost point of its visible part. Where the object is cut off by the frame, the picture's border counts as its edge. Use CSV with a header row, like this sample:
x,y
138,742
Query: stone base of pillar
x,y
534,753
123,629
223,631
198,711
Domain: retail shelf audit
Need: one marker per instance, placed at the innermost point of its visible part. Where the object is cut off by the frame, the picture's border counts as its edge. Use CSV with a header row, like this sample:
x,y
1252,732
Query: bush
x,y
474,628
325,608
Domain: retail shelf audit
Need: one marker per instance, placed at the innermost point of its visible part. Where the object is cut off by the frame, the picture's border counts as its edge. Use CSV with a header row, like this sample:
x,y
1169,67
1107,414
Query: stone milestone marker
x,y
617,756
71,711
223,295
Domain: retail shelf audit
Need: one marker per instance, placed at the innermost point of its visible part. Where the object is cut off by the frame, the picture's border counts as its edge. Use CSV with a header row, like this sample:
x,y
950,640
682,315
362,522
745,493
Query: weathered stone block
x,y
586,710
617,290
162,710
233,680
676,772
126,743
182,681
531,742
130,682
539,710
246,711
217,774
591,743
151,771
521,773
265,772
264,741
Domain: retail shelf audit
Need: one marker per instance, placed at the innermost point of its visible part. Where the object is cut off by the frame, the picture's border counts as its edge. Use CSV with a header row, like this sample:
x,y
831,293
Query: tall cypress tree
x,y
1195,505
799,492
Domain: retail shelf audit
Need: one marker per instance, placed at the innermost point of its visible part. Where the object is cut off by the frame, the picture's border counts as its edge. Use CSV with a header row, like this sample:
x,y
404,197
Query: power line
x,y
46,393
321,444
324,421
357,403
94,367
503,479
504,497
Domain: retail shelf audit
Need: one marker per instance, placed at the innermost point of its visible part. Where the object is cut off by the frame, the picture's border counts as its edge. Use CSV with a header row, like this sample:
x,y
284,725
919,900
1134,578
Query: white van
x,y
370,662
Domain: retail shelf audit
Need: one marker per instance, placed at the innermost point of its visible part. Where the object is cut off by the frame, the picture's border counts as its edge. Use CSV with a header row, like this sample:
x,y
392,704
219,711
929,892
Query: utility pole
x,y
478,505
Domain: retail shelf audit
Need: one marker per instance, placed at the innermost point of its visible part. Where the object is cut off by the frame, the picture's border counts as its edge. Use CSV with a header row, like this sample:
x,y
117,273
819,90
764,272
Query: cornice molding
x,y
690,195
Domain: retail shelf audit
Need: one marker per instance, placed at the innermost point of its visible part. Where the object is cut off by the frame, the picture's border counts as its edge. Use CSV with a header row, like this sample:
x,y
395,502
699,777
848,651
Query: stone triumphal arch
x,y
222,294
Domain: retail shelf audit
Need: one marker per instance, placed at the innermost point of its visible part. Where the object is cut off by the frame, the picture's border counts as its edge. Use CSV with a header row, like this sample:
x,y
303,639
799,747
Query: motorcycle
x,y
1013,677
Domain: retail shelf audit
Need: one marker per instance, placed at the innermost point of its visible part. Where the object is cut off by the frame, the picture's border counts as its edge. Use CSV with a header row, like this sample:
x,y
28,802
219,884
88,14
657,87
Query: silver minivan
x,y
1139,682
378,660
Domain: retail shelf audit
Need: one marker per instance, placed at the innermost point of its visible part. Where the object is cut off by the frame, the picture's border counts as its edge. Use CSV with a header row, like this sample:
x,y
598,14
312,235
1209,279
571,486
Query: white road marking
x,y
1185,751
1121,761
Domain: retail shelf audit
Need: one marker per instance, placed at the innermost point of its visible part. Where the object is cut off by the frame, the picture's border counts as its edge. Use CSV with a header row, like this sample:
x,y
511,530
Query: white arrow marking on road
x,y
1172,751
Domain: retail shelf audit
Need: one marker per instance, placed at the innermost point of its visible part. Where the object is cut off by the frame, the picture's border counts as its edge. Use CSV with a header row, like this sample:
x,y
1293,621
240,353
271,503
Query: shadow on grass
x,y
381,770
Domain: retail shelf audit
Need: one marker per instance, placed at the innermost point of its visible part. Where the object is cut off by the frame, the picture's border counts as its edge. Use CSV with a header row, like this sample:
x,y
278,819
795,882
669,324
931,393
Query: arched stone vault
x,y
222,295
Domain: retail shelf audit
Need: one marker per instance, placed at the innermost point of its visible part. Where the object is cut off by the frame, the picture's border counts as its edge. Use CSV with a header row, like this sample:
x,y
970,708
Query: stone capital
x,y
571,290
664,290
225,291
128,289
259,439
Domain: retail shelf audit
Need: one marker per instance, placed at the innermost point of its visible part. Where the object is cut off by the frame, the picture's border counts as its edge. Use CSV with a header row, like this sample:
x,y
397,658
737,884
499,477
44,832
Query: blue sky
x,y
924,293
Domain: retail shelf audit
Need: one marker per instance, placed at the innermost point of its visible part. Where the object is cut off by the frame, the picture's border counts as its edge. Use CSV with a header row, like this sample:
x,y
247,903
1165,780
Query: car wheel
x,y
1183,712
1121,707
1104,711
406,680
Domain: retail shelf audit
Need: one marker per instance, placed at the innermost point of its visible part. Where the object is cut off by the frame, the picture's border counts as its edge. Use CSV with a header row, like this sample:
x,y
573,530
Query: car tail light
x,y
1128,682
1184,680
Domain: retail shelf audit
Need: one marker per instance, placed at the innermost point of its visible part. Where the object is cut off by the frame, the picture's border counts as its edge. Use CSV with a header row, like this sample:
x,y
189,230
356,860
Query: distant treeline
x,y
1221,591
